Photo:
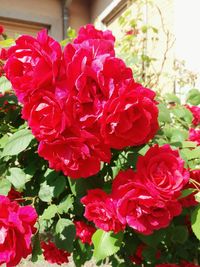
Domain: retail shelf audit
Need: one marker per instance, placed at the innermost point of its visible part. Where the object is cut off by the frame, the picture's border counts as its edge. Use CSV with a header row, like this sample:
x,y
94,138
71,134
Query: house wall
x,y
79,13
42,12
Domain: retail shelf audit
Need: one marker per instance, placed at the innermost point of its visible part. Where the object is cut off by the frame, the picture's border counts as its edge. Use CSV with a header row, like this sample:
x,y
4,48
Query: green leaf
x,y
143,150
191,153
106,244
164,114
193,97
5,186
82,253
65,204
5,85
149,254
179,234
154,239
36,251
46,192
7,43
183,113
189,144
178,135
195,221
49,212
17,177
172,98
18,142
197,197
187,192
65,234
55,180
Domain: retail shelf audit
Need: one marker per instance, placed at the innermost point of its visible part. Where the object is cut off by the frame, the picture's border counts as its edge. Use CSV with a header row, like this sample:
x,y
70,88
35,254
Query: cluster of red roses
x,y
145,200
81,102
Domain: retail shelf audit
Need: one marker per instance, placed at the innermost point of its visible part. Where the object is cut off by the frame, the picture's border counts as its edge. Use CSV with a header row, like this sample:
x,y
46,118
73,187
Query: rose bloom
x,y
162,171
130,118
33,63
137,208
196,114
14,195
16,230
46,115
100,209
84,231
52,254
91,81
76,156
101,42
194,135
1,29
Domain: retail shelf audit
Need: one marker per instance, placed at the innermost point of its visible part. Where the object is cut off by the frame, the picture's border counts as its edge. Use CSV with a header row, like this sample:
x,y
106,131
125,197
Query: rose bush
x,y
77,113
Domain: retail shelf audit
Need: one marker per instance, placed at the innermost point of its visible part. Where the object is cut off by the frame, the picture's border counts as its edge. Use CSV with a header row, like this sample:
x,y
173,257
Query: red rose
x,y
46,115
137,208
14,195
102,42
84,231
100,209
16,229
33,63
1,29
162,171
88,32
194,135
196,114
54,255
75,156
130,118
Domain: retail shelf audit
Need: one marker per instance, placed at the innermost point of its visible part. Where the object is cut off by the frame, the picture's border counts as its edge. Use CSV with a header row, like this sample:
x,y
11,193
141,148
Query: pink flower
x,y
33,63
196,114
194,135
100,209
130,118
84,231
16,230
162,171
1,29
137,208
54,255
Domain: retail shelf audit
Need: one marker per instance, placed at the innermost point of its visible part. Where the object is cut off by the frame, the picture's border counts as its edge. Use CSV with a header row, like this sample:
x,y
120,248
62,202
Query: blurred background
x,y
159,39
